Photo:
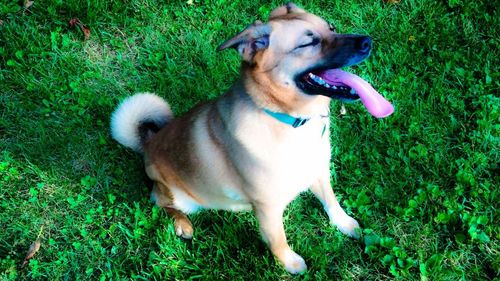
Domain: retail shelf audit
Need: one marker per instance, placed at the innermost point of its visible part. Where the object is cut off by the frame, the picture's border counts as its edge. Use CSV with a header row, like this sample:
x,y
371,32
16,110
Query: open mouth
x,y
313,83
345,86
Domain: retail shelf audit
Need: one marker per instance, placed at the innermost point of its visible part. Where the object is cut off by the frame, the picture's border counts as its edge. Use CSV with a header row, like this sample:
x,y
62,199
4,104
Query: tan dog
x,y
263,142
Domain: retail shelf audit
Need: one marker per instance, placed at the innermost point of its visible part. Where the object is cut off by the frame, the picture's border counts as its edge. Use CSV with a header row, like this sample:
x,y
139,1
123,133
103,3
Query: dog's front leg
x,y
323,191
271,227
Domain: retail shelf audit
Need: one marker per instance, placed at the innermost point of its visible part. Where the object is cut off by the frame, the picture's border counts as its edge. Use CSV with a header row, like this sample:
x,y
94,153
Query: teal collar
x,y
287,119
293,121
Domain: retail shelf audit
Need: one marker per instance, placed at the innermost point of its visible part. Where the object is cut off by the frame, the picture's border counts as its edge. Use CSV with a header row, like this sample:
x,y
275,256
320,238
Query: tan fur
x,y
229,154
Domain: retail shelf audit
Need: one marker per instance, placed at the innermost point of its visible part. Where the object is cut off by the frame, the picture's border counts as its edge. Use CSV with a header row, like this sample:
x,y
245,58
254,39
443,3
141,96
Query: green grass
x,y
423,182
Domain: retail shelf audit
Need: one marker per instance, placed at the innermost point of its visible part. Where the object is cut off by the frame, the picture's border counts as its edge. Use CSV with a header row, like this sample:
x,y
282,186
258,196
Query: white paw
x,y
346,224
294,263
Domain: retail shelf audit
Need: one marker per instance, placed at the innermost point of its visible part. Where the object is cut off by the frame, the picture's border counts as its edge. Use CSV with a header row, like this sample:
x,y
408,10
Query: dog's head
x,y
292,55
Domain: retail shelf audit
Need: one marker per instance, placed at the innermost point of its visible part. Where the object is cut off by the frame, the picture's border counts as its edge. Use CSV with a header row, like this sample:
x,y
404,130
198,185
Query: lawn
x,y
423,182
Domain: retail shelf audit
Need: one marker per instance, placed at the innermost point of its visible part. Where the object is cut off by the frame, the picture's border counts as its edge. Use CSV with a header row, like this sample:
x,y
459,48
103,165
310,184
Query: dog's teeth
x,y
352,92
319,80
334,87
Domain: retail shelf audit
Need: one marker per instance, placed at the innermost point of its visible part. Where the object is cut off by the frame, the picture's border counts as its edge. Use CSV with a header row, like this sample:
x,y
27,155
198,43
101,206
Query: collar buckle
x,y
287,119
299,122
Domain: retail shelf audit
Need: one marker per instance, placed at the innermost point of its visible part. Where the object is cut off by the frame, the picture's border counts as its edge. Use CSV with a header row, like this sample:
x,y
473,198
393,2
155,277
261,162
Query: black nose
x,y
364,44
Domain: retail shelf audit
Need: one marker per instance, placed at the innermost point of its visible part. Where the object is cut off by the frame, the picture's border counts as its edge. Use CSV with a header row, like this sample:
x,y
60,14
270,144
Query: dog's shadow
x,y
236,231
223,243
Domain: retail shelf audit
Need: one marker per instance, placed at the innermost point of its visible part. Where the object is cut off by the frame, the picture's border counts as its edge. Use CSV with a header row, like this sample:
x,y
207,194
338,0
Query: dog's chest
x,y
298,160
289,161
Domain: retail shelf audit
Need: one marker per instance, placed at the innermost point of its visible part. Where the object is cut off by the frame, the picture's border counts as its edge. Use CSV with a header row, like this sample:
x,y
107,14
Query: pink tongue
x,y
371,99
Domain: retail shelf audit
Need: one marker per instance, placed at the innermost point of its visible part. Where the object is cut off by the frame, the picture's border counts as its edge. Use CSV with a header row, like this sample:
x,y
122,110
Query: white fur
x,y
343,221
138,108
184,202
294,263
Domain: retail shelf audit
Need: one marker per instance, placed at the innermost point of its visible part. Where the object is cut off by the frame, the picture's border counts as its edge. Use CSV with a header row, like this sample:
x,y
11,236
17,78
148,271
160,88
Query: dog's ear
x,y
252,39
286,9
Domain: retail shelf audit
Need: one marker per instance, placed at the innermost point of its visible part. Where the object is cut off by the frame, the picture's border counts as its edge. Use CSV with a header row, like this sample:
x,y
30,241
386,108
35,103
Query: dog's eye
x,y
315,41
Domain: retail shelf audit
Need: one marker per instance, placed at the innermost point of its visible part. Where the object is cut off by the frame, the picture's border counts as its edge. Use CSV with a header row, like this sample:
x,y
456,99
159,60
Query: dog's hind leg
x,y
273,233
323,191
182,224
164,199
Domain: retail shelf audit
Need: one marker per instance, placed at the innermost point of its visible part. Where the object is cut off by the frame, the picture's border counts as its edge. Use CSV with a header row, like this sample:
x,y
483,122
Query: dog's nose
x,y
364,44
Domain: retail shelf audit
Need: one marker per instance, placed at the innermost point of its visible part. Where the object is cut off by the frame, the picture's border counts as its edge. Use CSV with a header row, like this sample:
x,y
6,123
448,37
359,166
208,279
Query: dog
x,y
264,141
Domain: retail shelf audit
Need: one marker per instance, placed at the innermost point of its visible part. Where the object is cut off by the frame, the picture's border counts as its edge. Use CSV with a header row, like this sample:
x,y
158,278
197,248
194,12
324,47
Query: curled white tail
x,y
135,111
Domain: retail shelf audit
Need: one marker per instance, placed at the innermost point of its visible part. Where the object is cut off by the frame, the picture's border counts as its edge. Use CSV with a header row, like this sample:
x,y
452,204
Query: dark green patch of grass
x,y
423,183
